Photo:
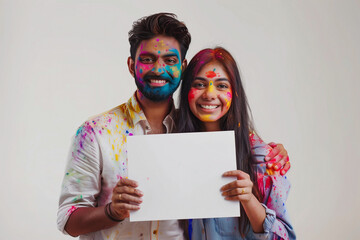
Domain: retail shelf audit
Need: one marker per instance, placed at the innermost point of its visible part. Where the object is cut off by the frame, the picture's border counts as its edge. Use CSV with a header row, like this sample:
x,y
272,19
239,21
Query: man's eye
x,y
170,61
147,60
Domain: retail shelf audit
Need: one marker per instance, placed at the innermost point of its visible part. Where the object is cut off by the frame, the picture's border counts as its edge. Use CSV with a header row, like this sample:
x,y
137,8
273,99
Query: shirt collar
x,y
135,114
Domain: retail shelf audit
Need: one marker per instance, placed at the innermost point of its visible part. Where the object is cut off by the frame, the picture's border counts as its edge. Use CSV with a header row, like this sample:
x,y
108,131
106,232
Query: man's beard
x,y
155,94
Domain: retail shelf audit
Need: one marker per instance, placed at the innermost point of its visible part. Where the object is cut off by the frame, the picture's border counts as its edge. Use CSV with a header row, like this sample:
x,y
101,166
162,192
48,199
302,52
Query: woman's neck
x,y
211,126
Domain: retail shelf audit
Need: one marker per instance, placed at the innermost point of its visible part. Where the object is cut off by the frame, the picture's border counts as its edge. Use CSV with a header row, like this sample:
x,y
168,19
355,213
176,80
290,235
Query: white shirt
x,y
97,161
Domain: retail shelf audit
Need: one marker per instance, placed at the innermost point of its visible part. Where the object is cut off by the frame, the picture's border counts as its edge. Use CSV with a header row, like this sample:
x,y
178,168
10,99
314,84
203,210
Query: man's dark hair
x,y
159,24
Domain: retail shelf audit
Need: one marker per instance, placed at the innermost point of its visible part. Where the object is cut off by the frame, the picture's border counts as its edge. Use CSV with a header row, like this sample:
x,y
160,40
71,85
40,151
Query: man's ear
x,y
131,66
183,65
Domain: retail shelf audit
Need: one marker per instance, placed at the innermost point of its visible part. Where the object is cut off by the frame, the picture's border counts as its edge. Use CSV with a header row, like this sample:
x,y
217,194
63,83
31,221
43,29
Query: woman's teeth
x,y
209,106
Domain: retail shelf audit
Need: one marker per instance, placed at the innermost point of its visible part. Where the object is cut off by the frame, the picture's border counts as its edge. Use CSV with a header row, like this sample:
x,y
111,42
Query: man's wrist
x,y
110,215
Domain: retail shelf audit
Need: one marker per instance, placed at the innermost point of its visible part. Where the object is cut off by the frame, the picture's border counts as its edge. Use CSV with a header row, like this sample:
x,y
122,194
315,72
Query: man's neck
x,y
155,112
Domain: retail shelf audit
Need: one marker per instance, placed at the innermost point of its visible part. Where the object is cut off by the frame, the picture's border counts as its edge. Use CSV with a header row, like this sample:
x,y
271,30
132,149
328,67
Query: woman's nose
x,y
209,92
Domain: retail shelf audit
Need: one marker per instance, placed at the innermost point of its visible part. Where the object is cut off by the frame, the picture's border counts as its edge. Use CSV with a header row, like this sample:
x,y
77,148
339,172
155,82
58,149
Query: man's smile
x,y
157,82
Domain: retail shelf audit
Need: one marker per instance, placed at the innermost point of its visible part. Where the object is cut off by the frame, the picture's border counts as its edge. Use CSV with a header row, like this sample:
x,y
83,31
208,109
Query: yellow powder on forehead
x,y
161,46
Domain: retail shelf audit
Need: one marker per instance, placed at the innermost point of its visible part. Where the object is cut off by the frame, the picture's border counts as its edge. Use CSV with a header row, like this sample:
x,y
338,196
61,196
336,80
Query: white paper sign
x,y
181,175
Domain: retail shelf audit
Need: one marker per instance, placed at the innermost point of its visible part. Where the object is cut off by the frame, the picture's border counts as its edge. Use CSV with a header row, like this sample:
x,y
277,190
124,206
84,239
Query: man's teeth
x,y
157,81
208,106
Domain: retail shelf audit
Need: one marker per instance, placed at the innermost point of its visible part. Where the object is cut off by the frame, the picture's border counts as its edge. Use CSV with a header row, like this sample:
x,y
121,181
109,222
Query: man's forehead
x,y
159,45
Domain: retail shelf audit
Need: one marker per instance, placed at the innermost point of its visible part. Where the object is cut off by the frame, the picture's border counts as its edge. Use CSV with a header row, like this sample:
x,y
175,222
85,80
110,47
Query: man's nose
x,y
159,67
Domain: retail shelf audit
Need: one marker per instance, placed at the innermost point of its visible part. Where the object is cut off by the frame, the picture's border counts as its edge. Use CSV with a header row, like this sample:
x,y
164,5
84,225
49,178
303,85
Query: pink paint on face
x,y
192,94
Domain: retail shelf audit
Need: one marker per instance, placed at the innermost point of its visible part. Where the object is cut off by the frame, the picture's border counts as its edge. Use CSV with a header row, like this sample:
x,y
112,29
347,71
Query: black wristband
x,y
109,214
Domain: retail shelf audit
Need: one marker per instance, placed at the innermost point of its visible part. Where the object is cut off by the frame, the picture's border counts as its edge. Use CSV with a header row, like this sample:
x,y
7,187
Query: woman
x,y
212,98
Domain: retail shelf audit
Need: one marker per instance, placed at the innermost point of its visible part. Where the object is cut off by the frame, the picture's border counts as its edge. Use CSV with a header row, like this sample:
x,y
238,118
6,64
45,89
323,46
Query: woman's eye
x,y
198,85
223,86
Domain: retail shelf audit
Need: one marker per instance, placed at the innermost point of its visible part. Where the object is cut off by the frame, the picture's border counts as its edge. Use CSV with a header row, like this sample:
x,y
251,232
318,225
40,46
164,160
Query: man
x,y
96,195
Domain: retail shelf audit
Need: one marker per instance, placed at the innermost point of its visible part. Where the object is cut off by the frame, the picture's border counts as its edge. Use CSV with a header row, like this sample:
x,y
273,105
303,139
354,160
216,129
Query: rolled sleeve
x,y
82,182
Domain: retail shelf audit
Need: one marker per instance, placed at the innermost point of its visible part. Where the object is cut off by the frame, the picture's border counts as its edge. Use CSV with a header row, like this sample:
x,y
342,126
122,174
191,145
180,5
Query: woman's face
x,y
210,94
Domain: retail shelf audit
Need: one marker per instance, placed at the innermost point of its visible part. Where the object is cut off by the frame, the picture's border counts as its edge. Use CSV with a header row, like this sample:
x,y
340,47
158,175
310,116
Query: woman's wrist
x,y
250,200
255,212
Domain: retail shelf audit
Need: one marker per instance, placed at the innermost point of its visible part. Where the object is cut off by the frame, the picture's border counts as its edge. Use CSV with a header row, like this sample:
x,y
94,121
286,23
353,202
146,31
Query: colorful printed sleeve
x,y
82,181
275,189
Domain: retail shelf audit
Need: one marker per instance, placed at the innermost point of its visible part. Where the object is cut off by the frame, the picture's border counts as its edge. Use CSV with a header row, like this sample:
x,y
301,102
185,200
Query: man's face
x,y
157,67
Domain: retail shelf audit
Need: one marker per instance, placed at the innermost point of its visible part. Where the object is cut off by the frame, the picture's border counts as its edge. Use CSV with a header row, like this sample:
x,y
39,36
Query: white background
x,y
64,61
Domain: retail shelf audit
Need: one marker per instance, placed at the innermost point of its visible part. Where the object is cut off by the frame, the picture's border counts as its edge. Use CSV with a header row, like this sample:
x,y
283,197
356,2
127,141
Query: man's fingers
x,y
275,151
118,206
286,168
129,182
280,164
272,144
273,161
123,197
128,190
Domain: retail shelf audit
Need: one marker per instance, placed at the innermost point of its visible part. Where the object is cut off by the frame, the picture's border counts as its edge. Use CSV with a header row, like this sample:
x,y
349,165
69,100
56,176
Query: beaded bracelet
x,y
108,213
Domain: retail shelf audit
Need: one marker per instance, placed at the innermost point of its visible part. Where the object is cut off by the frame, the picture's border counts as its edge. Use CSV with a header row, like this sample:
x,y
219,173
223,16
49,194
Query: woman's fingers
x,y
236,173
237,191
241,198
237,184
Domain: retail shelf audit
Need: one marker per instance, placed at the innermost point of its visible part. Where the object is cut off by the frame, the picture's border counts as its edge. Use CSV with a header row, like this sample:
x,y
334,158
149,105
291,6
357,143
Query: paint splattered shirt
x,y
275,189
97,161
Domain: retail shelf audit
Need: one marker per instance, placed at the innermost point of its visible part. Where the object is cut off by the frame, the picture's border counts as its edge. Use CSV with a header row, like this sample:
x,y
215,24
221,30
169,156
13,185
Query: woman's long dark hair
x,y
237,118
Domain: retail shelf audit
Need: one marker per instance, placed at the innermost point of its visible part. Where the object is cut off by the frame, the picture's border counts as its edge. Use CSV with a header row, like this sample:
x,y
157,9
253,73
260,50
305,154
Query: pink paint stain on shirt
x,y
71,210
